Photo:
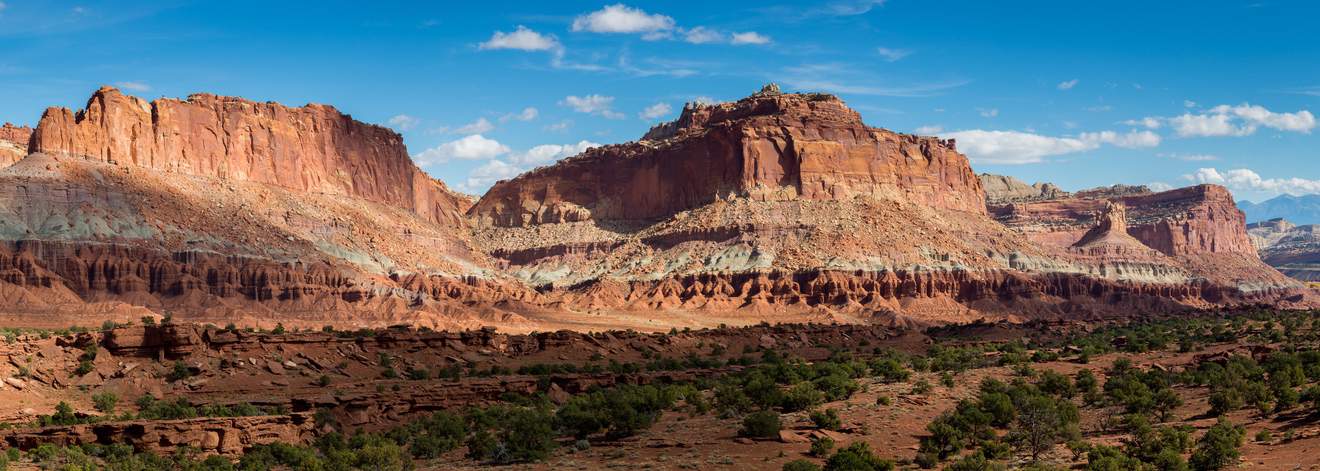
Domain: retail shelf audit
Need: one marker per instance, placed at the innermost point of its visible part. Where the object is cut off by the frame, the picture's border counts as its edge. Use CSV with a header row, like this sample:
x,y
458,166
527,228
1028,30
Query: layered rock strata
x,y
314,148
13,143
1293,249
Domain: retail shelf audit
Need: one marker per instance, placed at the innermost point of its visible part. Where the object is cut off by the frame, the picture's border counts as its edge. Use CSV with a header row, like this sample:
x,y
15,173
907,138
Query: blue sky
x,y
1078,93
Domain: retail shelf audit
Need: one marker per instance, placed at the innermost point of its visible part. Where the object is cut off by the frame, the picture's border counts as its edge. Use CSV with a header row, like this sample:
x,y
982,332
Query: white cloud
x,y
1068,84
1208,125
546,153
1189,104
1013,147
892,55
702,35
1301,121
1225,120
404,122
495,170
1131,140
654,112
486,175
988,113
1147,122
620,18
481,125
522,39
134,86
527,114
750,37
592,104
560,126
1099,108
705,100
474,147
1190,157
1246,180
929,130
2,6
1159,186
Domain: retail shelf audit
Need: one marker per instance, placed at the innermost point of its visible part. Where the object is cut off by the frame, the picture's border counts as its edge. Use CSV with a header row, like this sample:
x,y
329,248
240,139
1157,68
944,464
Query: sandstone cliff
x,y
1293,249
13,143
1003,188
314,148
787,202
768,147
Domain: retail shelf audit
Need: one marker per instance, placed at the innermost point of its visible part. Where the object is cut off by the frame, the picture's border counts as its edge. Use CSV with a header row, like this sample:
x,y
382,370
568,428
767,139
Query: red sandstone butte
x,y
769,146
13,143
314,148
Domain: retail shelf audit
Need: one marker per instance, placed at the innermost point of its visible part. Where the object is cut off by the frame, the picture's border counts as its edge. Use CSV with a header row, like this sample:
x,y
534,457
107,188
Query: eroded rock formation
x,y
1003,189
13,143
314,148
1293,249
767,147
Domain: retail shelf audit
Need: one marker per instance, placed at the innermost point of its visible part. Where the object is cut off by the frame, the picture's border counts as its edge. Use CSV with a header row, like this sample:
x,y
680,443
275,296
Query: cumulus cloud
x,y
474,147
522,39
929,130
1013,147
1226,120
892,55
988,112
560,126
481,125
1159,186
1246,180
134,86
702,35
654,112
527,114
482,177
1189,104
592,104
1131,140
547,153
1068,84
749,37
1147,122
620,18
404,122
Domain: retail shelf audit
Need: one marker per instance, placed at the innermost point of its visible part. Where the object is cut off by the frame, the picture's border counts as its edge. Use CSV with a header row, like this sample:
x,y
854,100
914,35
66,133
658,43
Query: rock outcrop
x,y
225,436
13,143
1293,249
767,147
314,148
1003,189
781,202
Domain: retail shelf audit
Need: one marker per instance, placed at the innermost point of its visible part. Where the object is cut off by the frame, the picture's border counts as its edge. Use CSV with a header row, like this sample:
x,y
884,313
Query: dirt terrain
x,y
298,386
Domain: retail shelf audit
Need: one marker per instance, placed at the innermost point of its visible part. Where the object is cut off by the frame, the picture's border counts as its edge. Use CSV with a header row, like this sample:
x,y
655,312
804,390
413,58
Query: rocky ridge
x,y
783,207
13,143
1293,249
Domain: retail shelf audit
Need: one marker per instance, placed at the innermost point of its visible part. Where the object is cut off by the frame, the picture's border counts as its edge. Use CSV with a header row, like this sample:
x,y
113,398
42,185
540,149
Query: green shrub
x,y
857,457
1218,448
827,419
821,446
105,402
801,465
761,424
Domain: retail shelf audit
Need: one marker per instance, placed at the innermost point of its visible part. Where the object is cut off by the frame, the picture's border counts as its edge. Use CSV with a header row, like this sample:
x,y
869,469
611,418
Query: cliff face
x,y
1293,249
1003,188
766,147
13,143
1186,221
314,148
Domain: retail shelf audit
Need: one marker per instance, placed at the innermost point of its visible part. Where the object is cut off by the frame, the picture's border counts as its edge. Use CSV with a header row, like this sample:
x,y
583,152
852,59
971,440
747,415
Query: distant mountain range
x,y
1300,210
